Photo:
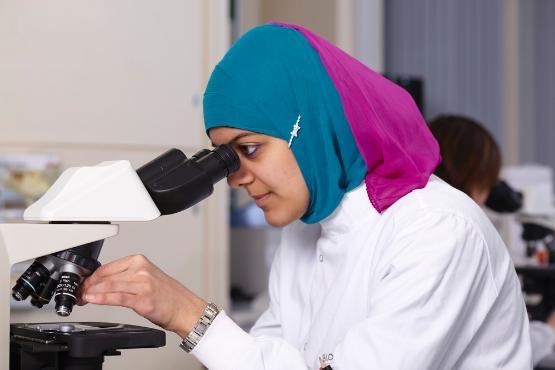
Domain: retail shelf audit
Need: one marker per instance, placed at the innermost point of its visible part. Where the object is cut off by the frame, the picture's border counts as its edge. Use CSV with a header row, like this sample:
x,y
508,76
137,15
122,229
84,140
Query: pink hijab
x,y
398,148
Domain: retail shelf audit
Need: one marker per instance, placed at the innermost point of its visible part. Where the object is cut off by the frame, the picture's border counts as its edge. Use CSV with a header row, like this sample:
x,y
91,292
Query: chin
x,y
277,220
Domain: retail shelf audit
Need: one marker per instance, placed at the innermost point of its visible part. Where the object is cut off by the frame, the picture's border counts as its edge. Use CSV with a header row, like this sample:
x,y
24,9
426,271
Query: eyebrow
x,y
239,136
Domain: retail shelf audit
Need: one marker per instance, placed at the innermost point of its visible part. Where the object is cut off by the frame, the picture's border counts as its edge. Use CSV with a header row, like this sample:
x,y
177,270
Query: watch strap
x,y
202,325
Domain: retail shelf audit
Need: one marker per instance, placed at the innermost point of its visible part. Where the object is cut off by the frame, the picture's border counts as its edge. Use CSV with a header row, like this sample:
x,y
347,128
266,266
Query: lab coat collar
x,y
353,209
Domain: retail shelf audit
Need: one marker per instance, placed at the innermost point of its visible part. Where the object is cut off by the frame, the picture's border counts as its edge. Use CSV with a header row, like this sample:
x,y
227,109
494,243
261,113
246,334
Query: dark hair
x,y
471,157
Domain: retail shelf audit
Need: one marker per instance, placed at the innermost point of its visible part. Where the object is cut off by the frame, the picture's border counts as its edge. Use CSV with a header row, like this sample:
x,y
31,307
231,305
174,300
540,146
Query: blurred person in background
x,y
471,162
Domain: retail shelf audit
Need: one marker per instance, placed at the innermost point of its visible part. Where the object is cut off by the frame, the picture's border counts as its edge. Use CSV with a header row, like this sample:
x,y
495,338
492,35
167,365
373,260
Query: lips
x,y
261,199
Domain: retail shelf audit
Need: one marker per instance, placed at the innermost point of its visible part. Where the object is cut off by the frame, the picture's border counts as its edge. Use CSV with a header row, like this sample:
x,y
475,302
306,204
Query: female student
x,y
381,265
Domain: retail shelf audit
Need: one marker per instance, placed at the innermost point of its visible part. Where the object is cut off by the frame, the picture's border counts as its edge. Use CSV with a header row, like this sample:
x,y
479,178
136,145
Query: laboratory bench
x,y
538,286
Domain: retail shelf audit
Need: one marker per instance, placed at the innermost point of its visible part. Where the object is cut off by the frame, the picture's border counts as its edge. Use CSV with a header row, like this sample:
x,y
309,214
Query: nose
x,y
241,177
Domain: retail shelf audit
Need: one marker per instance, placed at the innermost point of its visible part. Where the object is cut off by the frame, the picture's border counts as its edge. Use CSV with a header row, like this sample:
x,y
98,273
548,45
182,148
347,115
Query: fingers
x,y
112,299
117,267
134,282
144,306
114,267
126,275
80,301
115,286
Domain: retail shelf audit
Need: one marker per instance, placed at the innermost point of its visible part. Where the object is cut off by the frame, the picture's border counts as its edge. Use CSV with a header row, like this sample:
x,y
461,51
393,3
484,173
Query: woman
x,y
471,159
381,265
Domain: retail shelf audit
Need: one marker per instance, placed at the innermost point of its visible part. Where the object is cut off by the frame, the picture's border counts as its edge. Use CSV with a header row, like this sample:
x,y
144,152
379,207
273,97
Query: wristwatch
x,y
209,314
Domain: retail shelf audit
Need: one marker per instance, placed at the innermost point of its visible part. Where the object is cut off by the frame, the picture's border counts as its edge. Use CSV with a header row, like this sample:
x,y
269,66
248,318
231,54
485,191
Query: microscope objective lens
x,y
44,296
63,311
31,281
66,293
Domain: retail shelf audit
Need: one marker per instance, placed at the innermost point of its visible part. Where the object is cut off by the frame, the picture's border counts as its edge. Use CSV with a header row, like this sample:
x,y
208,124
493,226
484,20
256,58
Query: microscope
x,y
65,230
529,202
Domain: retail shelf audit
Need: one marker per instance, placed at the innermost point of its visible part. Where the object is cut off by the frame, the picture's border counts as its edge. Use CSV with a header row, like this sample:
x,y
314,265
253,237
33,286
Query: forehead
x,y
223,135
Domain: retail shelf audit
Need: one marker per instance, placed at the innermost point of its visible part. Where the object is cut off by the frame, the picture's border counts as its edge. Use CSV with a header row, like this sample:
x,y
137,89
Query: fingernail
x,y
89,297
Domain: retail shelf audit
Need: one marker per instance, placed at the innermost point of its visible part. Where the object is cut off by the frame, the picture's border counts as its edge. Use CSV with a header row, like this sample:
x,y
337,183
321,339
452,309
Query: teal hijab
x,y
268,81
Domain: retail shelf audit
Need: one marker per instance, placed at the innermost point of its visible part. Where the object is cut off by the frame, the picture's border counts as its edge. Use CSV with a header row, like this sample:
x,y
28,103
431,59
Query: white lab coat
x,y
426,285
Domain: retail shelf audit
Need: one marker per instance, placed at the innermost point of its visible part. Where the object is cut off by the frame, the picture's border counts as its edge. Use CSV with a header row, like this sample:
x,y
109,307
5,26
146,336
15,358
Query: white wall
x,y
91,81
369,33
491,60
536,53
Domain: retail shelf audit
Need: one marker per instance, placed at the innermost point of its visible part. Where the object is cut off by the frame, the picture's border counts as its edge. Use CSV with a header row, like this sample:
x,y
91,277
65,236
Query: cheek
x,y
277,175
285,180
293,191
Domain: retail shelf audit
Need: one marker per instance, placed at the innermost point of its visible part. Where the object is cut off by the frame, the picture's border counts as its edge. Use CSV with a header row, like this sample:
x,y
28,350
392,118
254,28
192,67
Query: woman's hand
x,y
136,283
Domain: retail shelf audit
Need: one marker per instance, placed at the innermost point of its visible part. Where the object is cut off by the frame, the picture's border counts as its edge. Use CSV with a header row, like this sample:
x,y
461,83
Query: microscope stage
x,y
81,339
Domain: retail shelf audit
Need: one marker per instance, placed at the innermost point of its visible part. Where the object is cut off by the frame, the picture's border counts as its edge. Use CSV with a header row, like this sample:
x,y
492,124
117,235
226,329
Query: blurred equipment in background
x,y
249,281
23,179
252,246
535,220
531,231
413,85
504,199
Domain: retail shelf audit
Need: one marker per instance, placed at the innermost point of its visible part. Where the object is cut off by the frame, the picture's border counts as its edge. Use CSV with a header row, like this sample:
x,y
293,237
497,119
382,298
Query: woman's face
x,y
269,173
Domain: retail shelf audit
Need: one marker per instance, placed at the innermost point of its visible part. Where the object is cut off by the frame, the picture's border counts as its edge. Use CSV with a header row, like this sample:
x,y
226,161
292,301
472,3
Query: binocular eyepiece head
x,y
175,182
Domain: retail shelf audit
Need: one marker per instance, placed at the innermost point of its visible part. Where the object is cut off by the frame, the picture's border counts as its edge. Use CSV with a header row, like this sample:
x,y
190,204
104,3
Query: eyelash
x,y
245,150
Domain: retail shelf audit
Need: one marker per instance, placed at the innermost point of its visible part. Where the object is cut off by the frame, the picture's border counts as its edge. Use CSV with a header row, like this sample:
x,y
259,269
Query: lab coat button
x,y
321,258
304,347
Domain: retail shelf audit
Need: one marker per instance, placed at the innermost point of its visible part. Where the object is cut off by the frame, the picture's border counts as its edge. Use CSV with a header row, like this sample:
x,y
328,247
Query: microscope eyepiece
x,y
504,199
229,157
219,163
176,183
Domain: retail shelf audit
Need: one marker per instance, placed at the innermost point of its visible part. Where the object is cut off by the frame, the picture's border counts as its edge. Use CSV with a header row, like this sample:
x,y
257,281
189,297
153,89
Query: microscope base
x,y
75,346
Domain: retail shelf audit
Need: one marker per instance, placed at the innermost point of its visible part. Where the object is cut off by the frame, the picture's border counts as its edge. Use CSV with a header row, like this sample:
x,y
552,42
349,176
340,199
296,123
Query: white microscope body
x,y
98,195
65,228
